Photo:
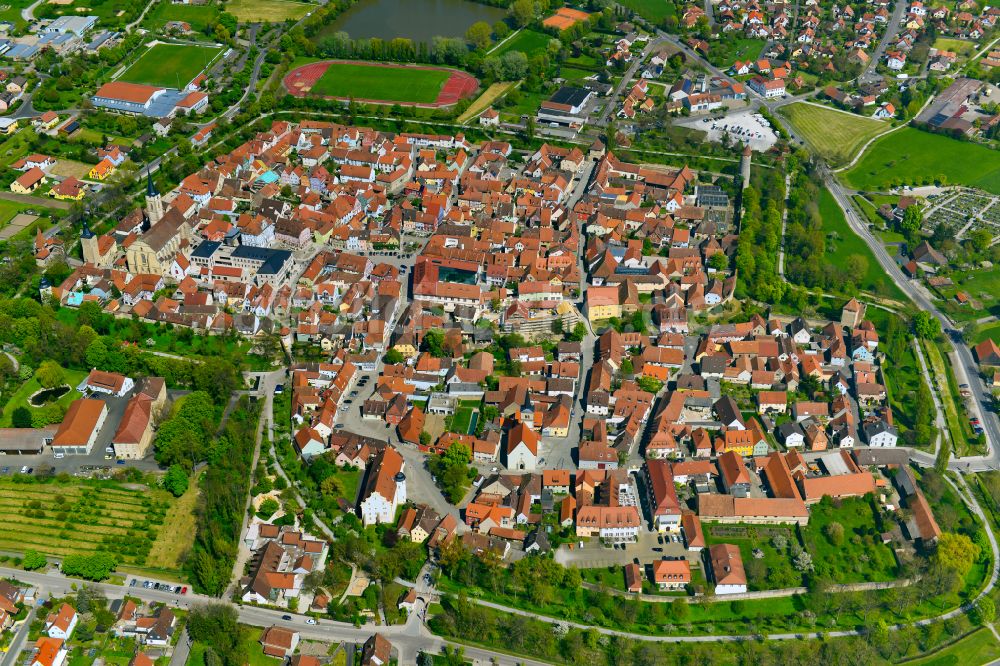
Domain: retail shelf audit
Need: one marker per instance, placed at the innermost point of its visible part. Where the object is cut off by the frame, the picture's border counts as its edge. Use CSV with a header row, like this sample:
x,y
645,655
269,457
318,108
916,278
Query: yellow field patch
x,y
490,95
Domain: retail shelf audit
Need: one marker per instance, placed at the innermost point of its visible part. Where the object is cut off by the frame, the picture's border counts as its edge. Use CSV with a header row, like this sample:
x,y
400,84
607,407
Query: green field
x,y
66,517
991,331
979,647
198,17
270,11
20,397
723,53
911,156
982,285
390,84
961,47
528,42
846,242
652,10
170,65
861,556
12,12
835,135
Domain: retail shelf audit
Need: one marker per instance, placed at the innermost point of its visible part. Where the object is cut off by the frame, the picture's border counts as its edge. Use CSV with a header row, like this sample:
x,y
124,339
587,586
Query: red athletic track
x,y
459,85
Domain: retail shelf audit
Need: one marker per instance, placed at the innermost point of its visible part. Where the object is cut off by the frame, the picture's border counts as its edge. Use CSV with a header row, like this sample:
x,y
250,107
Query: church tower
x,y
154,203
88,242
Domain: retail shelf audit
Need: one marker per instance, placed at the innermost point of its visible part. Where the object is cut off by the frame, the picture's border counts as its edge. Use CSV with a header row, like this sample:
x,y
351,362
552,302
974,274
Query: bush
x,y
33,560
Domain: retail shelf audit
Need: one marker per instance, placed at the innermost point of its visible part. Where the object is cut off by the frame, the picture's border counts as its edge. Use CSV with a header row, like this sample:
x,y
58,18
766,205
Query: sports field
x,y
835,135
170,65
388,83
911,156
268,11
382,83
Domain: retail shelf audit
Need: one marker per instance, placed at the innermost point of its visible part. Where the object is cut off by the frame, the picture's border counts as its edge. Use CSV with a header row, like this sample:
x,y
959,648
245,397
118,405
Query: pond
x,y
419,20
48,395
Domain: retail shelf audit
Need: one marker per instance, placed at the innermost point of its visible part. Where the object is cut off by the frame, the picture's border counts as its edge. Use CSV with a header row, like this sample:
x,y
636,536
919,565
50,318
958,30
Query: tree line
x,y
221,505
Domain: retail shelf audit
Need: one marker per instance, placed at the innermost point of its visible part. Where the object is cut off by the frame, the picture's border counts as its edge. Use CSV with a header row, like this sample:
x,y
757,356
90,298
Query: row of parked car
x,y
162,587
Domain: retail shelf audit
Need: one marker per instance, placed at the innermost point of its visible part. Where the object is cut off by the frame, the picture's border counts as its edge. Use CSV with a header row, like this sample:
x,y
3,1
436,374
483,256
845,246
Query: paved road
x,y
891,30
966,370
18,642
408,639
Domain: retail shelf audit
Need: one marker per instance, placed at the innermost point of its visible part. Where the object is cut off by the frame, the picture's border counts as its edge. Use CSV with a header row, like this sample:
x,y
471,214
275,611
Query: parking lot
x,y
741,126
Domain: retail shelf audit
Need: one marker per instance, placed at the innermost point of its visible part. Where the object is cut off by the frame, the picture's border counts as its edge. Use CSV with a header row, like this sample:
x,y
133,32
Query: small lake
x,y
48,395
419,20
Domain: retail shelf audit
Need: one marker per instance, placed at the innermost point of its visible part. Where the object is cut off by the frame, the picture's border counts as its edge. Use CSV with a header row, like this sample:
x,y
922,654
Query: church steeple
x,y
154,203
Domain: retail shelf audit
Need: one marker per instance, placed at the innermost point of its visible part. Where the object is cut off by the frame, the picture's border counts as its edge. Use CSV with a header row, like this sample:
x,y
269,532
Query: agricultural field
x,y
270,11
381,83
198,17
60,518
835,135
528,42
170,65
911,156
842,242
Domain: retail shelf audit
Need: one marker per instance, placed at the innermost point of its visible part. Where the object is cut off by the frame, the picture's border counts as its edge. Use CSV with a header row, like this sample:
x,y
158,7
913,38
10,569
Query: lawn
x,y
991,331
979,647
724,53
526,103
844,242
12,11
961,47
391,84
911,156
652,10
66,516
528,42
347,483
8,209
198,17
861,556
462,420
273,11
901,370
834,135
170,65
20,397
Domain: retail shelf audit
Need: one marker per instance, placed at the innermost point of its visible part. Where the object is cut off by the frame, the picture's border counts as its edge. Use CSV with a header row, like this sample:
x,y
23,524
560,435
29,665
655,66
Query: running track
x,y
459,85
